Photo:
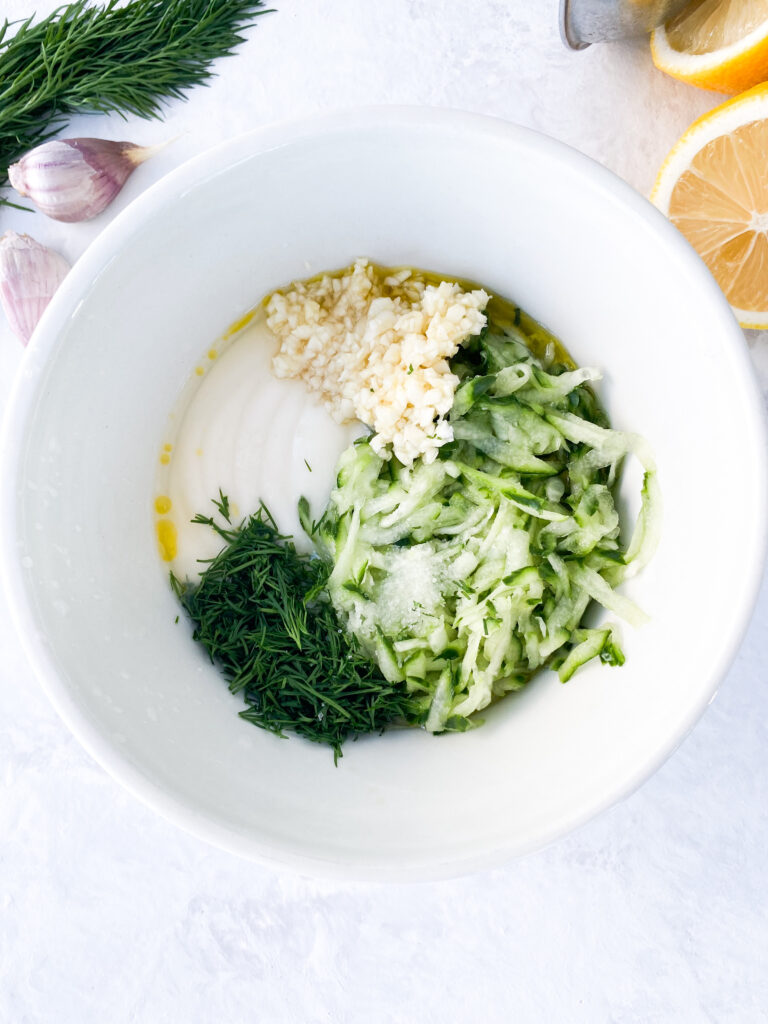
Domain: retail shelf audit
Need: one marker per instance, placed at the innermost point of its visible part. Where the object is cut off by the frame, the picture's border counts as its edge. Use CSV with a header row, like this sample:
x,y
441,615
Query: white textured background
x,y
655,912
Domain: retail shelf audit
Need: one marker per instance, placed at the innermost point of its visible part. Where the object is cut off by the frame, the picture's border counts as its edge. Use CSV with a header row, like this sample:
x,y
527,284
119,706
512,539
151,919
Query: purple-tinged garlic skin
x,y
29,275
75,179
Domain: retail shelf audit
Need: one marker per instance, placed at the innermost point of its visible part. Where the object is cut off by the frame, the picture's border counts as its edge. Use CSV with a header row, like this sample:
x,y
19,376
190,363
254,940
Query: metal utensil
x,y
583,22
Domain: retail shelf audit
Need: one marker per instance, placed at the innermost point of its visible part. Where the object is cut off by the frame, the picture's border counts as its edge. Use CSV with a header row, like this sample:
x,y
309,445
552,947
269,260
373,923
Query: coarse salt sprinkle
x,y
375,346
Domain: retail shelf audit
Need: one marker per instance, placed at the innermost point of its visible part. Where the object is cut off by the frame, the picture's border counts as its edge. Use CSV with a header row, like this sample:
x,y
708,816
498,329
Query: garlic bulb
x,y
29,275
74,179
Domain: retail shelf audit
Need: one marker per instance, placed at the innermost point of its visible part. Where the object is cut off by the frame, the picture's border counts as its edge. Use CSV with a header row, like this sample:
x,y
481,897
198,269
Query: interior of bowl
x,y
469,197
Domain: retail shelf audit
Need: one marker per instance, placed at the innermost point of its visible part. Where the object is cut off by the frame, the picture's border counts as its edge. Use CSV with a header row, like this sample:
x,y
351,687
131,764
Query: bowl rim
x,y
63,306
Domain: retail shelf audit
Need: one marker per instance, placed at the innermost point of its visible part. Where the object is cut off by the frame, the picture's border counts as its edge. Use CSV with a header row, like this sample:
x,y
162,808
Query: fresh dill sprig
x,y
126,58
261,612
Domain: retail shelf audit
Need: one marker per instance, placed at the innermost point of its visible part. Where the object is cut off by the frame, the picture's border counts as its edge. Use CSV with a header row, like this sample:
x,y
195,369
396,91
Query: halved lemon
x,y
715,44
714,187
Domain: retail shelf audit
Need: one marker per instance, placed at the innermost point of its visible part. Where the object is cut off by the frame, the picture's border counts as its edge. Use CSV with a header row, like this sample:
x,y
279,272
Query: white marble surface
x,y
655,912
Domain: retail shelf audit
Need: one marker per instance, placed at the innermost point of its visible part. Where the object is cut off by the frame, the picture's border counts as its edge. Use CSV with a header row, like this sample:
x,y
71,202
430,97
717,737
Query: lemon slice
x,y
714,187
715,44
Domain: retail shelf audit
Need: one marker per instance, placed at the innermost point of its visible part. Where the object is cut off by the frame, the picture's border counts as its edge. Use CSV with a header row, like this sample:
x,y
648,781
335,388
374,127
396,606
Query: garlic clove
x,y
29,275
75,179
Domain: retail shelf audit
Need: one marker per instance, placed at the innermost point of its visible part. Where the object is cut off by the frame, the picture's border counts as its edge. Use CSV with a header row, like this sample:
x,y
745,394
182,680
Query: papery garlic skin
x,y
29,275
75,179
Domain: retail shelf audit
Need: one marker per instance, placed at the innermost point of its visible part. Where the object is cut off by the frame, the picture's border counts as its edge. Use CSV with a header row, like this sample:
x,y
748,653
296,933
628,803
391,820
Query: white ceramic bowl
x,y
458,193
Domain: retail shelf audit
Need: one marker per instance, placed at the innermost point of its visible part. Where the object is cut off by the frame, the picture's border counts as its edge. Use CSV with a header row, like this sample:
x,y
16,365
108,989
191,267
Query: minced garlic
x,y
375,347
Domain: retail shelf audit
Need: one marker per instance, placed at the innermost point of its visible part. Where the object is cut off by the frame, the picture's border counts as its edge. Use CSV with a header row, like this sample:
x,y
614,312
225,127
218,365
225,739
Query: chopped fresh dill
x,y
261,612
222,504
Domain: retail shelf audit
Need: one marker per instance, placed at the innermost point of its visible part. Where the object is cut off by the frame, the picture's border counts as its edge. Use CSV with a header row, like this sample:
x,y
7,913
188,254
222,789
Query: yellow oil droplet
x,y
166,539
165,458
162,504
199,371
199,451
167,447
212,353
238,325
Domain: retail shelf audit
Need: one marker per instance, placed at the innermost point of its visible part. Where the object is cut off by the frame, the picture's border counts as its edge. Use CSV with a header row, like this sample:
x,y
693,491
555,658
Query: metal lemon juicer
x,y
583,22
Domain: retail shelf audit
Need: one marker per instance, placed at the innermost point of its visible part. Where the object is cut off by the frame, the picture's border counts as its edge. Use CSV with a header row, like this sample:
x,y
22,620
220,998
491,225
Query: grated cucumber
x,y
464,577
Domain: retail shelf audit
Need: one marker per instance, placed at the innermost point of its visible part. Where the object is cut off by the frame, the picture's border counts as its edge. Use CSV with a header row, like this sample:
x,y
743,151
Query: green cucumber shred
x,y
464,577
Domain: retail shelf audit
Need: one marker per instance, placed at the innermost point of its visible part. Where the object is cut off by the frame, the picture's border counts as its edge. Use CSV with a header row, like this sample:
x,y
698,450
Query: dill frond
x,y
113,58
